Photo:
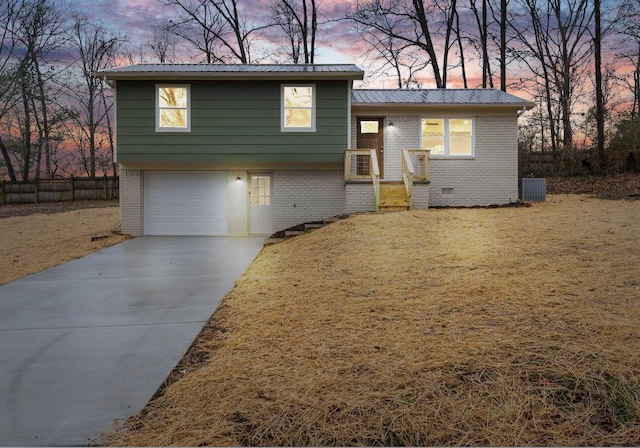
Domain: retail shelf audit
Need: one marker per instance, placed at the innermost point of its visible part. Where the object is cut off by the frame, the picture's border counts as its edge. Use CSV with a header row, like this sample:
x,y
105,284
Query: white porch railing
x,y
362,165
375,178
420,160
407,173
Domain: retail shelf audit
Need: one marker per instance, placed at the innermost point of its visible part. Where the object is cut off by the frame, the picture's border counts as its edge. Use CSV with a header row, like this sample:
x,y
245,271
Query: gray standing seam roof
x,y
435,96
139,71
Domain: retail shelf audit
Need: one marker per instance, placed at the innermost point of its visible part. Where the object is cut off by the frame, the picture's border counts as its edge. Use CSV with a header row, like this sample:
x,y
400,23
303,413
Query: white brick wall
x,y
491,177
359,197
420,196
307,195
237,203
131,188
404,134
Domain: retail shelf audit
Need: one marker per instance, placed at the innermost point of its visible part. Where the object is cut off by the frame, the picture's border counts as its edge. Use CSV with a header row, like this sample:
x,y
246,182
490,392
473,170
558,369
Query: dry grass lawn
x,y
37,242
516,326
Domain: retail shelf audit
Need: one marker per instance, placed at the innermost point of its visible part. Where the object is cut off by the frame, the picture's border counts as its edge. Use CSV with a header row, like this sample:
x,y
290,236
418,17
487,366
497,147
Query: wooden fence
x,y
53,190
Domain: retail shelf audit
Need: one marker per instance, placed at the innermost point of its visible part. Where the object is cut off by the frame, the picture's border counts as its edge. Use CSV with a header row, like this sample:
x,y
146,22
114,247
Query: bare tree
x,y
163,45
413,24
37,31
395,55
483,30
96,47
298,21
198,25
553,43
628,28
216,28
9,72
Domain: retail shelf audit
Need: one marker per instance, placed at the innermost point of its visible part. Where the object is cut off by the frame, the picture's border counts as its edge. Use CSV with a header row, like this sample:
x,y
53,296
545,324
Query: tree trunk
x,y
428,45
314,28
461,49
7,160
447,41
26,131
503,45
636,87
485,51
45,123
602,156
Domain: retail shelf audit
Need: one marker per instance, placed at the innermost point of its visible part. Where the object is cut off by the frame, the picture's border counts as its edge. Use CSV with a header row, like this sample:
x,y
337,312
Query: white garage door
x,y
185,203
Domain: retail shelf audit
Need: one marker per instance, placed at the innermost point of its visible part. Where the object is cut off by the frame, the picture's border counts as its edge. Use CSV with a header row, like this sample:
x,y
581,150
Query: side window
x,y
433,135
448,137
173,108
298,108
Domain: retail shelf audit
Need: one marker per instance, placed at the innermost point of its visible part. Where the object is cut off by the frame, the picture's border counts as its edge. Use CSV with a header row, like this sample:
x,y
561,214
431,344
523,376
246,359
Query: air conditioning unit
x,y
532,189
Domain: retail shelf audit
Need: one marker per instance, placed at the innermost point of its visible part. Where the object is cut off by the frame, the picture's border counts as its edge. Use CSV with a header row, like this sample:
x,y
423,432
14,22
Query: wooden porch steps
x,y
393,197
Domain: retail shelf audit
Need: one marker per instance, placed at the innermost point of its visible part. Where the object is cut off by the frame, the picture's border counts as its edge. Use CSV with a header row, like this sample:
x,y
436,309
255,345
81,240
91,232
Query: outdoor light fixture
x,y
238,179
390,125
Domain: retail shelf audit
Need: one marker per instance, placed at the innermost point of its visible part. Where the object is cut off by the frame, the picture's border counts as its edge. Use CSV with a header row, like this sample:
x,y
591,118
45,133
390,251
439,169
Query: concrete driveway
x,y
91,340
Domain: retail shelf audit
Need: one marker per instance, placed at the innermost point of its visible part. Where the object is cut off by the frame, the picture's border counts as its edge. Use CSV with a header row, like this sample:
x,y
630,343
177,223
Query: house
x,y
251,149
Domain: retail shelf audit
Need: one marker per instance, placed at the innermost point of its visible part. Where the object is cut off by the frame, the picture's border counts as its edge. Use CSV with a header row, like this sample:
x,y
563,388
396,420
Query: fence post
x,y
105,186
36,188
73,188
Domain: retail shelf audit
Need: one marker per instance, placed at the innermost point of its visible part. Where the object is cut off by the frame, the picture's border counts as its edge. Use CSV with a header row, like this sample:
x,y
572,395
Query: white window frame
x,y
447,154
283,126
188,108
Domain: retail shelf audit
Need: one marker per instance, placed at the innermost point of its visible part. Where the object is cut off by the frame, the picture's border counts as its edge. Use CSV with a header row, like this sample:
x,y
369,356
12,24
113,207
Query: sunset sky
x,y
337,40
139,18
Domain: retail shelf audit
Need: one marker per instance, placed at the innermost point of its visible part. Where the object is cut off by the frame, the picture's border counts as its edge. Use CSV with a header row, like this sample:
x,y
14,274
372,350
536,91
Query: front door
x,y
370,135
261,216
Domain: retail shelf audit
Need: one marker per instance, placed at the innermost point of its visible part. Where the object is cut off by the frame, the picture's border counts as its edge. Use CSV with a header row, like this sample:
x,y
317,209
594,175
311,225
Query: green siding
x,y
231,122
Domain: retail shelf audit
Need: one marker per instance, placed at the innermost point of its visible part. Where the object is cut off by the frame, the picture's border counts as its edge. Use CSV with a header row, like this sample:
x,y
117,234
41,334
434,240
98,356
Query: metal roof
x,y
416,97
233,71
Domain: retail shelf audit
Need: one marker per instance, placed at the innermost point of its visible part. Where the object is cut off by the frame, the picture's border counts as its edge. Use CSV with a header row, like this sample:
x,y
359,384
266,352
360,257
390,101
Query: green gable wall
x,y
231,122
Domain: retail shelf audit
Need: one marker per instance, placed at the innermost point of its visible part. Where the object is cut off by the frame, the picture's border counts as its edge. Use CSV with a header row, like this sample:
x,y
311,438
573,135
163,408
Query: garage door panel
x,y
186,203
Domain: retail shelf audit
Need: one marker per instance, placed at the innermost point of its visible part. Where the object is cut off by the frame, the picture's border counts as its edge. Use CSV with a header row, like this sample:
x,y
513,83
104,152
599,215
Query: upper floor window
x,y
448,136
298,108
173,108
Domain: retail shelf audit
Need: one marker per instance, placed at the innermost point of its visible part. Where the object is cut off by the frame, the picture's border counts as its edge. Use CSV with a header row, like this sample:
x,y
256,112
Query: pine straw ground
x,y
516,326
35,238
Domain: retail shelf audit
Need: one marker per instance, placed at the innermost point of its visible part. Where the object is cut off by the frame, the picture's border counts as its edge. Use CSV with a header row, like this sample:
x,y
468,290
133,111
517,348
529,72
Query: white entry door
x,y
261,216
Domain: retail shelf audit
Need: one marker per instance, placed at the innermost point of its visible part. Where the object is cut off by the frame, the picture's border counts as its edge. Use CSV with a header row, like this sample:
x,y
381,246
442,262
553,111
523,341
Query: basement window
x,y
298,111
173,108
448,137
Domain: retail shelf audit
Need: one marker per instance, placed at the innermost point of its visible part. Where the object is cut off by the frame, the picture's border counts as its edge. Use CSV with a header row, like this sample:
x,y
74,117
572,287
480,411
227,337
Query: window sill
x,y
172,130
432,157
297,129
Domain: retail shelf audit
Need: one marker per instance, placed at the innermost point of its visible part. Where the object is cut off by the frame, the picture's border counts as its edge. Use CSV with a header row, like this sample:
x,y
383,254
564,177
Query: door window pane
x,y
260,190
369,127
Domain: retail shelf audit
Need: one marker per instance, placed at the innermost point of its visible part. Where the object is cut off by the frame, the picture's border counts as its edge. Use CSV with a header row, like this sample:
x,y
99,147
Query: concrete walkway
x,y
91,340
